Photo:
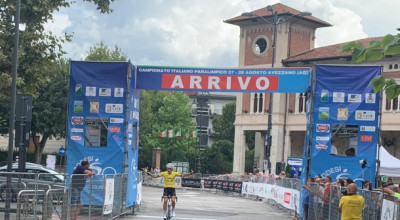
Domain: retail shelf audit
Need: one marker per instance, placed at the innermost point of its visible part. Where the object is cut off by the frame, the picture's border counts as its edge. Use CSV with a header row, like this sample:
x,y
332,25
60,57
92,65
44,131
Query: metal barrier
x,y
49,196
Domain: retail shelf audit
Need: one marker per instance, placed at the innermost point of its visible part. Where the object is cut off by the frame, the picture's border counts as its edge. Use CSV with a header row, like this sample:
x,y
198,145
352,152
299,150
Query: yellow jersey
x,y
169,179
351,206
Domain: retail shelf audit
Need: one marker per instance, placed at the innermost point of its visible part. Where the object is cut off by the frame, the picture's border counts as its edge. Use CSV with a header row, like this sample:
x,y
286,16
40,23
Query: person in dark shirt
x,y
78,182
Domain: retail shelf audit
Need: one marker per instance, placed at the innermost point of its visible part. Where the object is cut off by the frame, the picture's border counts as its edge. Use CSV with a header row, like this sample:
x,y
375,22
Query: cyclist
x,y
169,185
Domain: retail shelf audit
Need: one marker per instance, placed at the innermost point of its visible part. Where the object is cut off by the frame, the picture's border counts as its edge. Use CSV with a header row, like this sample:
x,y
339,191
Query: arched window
x,y
255,103
260,103
390,66
301,103
396,66
395,104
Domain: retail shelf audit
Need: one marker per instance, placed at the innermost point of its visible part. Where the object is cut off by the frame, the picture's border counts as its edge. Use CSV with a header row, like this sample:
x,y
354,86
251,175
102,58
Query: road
x,y
195,205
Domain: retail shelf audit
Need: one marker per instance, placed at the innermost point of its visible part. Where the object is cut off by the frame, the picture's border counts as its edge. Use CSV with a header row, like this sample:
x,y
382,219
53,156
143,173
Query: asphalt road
x,y
206,205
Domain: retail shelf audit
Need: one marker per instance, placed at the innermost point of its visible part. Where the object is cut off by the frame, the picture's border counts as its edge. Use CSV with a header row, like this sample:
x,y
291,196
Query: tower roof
x,y
282,10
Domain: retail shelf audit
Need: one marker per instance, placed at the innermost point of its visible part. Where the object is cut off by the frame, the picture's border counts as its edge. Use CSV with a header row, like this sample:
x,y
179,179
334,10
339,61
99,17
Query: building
x,y
295,40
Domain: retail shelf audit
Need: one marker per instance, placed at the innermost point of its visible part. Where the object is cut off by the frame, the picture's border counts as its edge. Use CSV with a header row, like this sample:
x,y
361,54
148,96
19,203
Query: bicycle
x,y
169,207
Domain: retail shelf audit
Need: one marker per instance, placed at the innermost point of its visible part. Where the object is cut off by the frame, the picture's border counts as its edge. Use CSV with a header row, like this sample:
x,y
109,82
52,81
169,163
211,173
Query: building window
x,y
395,105
302,102
258,102
260,45
390,66
396,66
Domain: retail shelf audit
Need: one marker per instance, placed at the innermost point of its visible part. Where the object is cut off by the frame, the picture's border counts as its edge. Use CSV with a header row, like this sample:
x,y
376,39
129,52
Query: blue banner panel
x,y
96,120
132,134
345,122
287,80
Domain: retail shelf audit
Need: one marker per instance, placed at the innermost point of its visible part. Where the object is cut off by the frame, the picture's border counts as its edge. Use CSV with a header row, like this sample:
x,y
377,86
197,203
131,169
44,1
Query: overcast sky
x,y
192,32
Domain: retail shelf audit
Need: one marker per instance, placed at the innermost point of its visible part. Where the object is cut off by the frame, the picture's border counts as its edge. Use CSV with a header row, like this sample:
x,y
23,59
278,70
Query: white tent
x,y
390,166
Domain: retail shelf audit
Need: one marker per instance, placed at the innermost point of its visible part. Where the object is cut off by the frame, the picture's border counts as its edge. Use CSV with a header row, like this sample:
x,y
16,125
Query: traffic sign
x,y
61,151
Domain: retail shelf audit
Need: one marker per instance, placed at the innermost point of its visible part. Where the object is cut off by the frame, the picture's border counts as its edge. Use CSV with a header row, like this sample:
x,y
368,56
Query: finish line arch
x,y
104,99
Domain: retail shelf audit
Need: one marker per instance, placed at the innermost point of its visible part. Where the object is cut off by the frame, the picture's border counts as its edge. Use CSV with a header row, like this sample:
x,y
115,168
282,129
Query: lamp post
x,y
204,97
276,20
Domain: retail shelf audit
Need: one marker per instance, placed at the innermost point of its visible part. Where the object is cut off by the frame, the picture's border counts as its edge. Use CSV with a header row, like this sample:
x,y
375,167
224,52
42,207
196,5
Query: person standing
x,y
78,182
306,201
169,185
351,206
326,197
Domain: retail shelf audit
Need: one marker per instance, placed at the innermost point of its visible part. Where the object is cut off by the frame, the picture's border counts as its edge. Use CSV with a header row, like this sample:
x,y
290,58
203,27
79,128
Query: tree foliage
x,y
388,46
223,124
160,111
37,50
49,109
102,52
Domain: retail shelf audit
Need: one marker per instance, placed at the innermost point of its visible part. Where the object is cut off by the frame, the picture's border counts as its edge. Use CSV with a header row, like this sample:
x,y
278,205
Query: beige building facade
x,y
294,48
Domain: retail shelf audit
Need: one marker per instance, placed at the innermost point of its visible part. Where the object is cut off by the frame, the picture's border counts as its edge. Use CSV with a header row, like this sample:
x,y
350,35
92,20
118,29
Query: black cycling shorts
x,y
169,192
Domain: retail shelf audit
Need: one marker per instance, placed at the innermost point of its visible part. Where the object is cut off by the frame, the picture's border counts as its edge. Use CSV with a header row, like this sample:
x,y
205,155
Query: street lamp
x,y
202,101
275,22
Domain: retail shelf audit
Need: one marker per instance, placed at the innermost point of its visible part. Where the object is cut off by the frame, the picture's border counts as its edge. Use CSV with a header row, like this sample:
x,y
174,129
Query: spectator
x,y
351,206
389,182
348,181
325,197
367,185
79,176
392,190
306,201
350,152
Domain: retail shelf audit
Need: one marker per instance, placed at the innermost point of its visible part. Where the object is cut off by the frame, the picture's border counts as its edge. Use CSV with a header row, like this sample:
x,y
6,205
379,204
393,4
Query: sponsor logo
x,y
323,127
77,130
116,120
76,137
338,96
366,138
78,106
343,114
370,97
333,170
115,129
354,98
119,92
114,108
320,146
90,91
77,120
323,113
94,107
286,197
324,95
322,138
368,128
105,92
362,115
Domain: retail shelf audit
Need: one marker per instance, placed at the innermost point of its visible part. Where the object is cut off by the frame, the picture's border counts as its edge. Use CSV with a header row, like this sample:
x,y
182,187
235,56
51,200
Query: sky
x,y
192,32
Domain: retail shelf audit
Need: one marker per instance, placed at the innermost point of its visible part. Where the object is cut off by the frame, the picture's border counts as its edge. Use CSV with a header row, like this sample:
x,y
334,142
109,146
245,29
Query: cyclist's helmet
x,y
170,165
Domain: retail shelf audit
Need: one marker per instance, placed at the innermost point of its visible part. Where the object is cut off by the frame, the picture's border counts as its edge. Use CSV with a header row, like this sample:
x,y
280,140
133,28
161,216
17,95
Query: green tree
x,y
376,50
223,124
49,109
174,112
101,52
37,51
218,158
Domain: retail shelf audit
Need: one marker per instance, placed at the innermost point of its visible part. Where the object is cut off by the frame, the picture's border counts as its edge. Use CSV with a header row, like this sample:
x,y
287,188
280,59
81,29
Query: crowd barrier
x,y
286,194
47,196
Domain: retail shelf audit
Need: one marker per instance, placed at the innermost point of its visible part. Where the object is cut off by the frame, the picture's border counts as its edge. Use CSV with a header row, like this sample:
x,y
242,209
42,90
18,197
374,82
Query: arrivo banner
x,y
290,80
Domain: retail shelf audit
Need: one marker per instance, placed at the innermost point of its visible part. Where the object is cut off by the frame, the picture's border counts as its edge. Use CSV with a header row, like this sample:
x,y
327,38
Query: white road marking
x,y
159,216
